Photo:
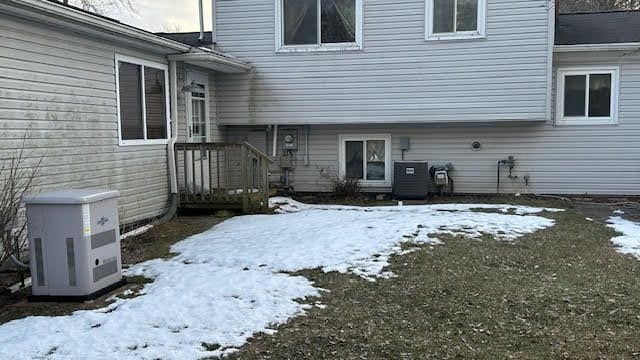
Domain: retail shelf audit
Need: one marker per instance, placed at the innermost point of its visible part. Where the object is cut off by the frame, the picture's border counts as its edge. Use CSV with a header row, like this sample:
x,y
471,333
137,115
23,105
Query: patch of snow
x,y
230,282
618,212
136,232
629,241
588,219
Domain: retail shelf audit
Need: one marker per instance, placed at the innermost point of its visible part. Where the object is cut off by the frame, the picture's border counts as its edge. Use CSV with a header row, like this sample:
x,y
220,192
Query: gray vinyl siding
x,y
398,77
59,89
596,159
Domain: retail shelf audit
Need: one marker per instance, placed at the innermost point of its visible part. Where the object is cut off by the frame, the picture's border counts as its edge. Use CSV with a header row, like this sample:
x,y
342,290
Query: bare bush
x,y
16,180
102,6
346,187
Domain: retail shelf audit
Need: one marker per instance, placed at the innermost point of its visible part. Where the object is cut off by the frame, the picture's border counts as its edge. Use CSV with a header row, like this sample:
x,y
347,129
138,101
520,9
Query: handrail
x,y
222,174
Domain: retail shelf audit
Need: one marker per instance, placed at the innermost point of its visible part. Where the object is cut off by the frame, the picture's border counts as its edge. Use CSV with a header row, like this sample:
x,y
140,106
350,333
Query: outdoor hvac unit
x,y
411,179
74,241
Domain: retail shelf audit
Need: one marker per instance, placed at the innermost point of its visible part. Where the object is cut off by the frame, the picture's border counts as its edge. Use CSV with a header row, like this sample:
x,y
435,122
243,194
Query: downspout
x,y
201,14
306,145
171,155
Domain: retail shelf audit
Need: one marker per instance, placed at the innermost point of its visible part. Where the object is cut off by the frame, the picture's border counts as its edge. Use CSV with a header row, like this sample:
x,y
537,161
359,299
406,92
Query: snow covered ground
x,y
229,282
629,241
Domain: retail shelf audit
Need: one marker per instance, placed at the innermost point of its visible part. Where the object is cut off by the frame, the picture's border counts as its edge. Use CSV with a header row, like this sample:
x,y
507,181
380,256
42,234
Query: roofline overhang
x,y
213,61
49,12
597,47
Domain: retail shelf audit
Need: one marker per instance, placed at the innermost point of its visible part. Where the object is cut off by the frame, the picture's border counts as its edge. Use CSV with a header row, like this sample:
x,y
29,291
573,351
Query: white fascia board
x,y
213,61
597,47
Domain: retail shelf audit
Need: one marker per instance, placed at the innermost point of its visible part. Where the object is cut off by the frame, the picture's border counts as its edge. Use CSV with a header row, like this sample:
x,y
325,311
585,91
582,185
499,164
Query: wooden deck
x,y
222,176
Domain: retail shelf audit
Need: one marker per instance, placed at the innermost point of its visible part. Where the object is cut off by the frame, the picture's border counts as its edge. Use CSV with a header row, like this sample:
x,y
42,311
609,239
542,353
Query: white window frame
x,y
586,119
279,32
199,78
342,165
143,64
480,33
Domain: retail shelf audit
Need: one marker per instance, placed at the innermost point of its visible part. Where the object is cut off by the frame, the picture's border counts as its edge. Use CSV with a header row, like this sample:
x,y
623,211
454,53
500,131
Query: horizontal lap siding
x,y
59,89
597,159
398,77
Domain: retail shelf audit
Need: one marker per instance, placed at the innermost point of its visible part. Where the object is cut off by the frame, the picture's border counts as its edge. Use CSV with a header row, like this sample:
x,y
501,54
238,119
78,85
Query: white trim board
x,y
480,33
342,170
143,63
612,119
280,47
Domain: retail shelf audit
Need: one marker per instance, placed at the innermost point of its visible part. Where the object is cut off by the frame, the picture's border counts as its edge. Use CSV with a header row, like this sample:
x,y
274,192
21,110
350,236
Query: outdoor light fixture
x,y
193,87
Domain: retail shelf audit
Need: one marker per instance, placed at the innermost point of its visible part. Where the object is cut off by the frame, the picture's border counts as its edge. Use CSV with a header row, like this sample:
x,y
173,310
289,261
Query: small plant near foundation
x,y
346,187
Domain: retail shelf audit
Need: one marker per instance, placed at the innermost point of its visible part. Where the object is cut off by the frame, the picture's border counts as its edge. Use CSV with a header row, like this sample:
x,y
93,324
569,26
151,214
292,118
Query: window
x,y
587,96
455,19
367,158
143,105
308,25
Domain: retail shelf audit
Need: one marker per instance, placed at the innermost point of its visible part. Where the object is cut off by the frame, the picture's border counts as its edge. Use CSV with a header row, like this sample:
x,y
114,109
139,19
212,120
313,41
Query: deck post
x,y
244,175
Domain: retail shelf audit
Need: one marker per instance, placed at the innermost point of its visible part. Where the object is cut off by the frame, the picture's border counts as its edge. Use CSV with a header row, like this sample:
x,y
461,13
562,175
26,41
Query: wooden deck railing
x,y
222,175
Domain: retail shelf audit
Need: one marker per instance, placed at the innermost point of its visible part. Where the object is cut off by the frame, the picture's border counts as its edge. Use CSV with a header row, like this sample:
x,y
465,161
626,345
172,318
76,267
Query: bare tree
x,y
17,176
598,5
102,6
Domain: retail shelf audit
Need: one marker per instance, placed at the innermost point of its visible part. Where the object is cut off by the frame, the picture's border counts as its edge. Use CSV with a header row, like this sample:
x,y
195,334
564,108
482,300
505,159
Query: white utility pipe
x,y
201,13
275,140
173,175
213,24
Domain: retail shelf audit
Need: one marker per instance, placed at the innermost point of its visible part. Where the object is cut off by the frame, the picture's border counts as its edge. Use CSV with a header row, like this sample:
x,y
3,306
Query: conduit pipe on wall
x,y
274,152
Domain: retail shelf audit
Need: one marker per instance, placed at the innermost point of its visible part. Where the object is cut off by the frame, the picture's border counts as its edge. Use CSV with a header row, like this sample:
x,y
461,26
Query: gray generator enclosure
x,y
411,179
74,241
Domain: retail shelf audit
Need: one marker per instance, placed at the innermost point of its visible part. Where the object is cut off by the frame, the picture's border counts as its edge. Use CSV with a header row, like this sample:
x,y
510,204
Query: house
x,y
103,104
468,83
327,89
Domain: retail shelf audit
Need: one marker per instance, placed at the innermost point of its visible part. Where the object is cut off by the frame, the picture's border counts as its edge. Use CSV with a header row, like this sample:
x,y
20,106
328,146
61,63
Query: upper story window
x,y
587,96
143,101
455,19
316,25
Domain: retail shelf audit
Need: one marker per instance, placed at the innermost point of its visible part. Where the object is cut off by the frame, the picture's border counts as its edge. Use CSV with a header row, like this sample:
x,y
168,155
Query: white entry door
x,y
197,101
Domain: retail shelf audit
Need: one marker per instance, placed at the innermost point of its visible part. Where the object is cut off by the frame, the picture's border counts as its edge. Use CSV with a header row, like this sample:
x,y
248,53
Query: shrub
x,y
16,180
346,187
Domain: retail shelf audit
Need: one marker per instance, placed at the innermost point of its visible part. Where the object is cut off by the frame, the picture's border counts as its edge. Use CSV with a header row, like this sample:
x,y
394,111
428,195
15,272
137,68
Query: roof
x,y
54,13
189,38
598,28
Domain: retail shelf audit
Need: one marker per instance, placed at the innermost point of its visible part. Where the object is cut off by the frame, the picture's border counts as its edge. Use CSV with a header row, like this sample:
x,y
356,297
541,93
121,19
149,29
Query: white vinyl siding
x,y
397,77
455,19
59,88
587,95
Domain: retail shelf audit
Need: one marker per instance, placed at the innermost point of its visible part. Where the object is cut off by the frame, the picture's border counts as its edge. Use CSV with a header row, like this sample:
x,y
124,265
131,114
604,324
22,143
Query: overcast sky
x,y
164,15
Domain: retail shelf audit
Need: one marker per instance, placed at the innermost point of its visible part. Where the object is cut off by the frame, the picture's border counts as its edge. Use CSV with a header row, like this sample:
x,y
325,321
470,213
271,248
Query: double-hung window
x,y
367,158
455,19
308,25
587,96
143,101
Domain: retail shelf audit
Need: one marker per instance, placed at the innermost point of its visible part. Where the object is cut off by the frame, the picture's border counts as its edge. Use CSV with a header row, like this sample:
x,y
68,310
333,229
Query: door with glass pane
x,y
197,100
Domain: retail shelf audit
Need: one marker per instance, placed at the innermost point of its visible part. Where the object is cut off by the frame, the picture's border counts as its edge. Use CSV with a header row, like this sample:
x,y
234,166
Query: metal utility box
x,y
74,241
411,179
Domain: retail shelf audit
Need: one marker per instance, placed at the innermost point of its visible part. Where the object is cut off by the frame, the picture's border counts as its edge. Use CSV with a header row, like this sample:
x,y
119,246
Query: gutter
x,y
597,47
51,9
